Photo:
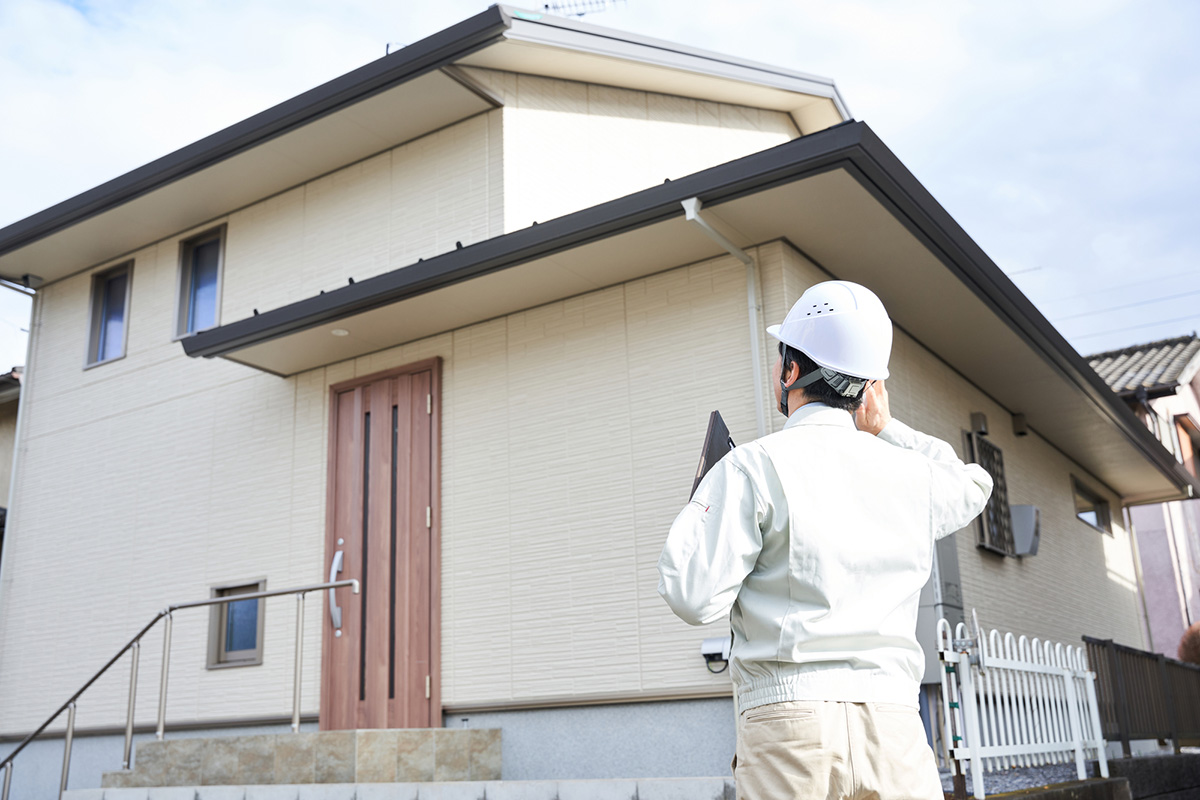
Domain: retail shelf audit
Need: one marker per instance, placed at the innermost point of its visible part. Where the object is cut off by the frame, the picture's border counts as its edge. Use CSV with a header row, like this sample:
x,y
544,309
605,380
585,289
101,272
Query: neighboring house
x,y
10,396
1160,381
446,319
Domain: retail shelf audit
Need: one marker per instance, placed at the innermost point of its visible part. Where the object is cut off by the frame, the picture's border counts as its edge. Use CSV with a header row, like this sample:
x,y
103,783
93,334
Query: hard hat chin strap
x,y
842,384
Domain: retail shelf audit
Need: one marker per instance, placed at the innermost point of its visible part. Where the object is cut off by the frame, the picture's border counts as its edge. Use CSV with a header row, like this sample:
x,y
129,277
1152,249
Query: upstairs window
x,y
110,312
200,282
1090,507
995,531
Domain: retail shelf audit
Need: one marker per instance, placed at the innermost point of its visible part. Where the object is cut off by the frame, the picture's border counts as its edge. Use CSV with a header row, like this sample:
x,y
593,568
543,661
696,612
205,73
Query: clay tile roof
x,y
1155,366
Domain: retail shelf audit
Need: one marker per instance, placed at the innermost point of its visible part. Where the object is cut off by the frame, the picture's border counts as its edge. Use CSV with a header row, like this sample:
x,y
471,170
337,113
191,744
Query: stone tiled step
x,y
640,789
414,755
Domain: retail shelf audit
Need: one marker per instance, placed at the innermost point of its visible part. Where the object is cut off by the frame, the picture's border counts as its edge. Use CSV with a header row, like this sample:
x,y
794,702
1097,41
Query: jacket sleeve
x,y
712,546
958,492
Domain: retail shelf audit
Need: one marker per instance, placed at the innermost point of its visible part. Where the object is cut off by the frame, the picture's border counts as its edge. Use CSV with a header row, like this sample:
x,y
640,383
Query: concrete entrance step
x,y
639,789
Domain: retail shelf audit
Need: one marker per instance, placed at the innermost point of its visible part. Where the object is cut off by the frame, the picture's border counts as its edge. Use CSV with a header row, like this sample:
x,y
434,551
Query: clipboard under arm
x,y
717,442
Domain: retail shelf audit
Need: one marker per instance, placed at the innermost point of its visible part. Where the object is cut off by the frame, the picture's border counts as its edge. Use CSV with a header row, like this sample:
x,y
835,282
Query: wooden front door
x,y
380,666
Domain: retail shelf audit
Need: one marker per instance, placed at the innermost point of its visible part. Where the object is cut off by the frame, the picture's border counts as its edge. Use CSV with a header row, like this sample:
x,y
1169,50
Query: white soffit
x,y
365,128
834,220
605,262
590,57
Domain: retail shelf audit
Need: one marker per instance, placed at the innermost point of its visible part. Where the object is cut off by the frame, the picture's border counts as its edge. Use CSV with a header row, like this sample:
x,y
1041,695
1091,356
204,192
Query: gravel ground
x,y
1008,780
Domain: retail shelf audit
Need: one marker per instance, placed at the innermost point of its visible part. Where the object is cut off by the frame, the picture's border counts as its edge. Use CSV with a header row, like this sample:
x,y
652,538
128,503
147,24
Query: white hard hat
x,y
842,326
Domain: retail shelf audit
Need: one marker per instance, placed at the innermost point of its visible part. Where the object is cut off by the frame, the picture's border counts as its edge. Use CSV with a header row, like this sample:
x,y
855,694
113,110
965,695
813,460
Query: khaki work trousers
x,y
836,751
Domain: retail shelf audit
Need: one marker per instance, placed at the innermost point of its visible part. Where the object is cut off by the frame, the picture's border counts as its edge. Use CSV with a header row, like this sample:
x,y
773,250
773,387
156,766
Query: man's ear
x,y
792,374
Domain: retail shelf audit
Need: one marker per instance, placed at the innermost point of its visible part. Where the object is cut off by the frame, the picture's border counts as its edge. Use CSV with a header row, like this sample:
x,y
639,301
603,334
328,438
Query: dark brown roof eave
x,y
409,62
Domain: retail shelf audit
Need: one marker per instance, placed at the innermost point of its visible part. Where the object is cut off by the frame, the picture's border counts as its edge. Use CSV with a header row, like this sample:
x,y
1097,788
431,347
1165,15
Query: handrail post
x,y
1168,698
299,657
8,767
133,671
62,786
162,682
1120,700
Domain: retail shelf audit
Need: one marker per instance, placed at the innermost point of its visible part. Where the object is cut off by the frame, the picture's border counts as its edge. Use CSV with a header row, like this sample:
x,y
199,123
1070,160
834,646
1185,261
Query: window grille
x,y
995,523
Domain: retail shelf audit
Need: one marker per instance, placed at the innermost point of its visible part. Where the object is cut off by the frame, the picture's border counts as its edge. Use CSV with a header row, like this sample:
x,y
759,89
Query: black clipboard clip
x,y
717,442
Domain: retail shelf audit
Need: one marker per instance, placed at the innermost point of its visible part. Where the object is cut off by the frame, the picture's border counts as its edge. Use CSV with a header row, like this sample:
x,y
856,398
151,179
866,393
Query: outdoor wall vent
x,y
1025,530
1020,426
979,423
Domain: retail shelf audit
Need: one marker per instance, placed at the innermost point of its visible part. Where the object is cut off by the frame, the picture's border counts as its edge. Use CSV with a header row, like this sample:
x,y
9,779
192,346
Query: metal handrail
x,y
134,644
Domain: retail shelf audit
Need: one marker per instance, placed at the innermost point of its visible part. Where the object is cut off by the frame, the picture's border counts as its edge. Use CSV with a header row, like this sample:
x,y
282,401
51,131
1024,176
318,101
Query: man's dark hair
x,y
820,391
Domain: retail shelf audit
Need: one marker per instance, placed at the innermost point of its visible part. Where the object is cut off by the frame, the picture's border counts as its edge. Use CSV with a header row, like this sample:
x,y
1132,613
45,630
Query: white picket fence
x,y
1011,702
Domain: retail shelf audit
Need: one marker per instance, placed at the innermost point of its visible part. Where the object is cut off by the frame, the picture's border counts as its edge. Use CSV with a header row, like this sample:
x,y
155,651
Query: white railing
x,y
1011,702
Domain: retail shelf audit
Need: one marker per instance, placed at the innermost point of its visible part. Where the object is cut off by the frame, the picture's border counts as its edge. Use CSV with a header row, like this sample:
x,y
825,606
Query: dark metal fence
x,y
1144,695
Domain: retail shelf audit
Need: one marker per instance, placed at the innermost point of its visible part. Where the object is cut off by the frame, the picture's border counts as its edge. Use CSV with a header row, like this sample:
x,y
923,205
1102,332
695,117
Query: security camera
x,y
716,649
32,281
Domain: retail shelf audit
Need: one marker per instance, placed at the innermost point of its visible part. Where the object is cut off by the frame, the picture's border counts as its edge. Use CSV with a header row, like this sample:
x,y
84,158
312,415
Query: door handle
x,y
335,611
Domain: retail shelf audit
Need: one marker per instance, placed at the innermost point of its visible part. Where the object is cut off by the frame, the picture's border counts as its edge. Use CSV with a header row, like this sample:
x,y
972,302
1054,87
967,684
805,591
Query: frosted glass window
x,y
236,628
241,625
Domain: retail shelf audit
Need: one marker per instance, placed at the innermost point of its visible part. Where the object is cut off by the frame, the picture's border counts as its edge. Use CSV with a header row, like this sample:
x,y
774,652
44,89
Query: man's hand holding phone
x,y
874,413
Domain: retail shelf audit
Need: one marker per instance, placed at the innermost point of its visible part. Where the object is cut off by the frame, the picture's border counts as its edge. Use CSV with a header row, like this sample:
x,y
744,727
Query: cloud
x,y
1059,135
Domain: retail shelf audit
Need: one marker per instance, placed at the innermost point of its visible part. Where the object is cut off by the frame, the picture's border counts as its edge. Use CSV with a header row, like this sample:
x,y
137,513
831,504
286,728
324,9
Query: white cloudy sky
x,y
1060,134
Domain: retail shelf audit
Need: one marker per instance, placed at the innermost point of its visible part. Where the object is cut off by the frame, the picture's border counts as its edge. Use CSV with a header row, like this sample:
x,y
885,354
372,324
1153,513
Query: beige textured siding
x,y
570,145
414,201
1081,581
567,452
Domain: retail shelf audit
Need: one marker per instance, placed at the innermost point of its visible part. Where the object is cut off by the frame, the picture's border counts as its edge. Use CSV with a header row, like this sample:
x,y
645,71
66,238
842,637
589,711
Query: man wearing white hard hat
x,y
817,540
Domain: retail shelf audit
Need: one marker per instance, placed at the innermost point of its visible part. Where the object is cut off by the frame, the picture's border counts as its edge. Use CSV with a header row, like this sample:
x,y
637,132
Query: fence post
x,y
1120,701
1073,720
1168,697
971,718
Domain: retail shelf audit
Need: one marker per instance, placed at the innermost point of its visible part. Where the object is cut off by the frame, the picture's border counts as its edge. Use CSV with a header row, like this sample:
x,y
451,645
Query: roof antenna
x,y
390,46
577,8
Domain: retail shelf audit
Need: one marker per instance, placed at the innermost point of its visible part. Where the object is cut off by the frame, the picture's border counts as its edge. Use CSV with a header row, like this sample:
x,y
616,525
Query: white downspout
x,y
18,438
691,210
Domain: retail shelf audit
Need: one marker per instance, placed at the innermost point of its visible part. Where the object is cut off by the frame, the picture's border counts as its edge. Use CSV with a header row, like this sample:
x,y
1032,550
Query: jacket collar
x,y
820,414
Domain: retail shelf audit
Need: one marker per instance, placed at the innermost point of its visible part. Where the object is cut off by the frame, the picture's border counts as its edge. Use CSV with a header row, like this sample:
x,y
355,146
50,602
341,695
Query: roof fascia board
x,y
911,203
597,40
435,51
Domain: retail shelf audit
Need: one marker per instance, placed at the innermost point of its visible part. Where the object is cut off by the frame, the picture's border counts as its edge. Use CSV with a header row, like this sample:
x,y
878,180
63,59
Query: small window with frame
x,y
235,630
110,314
995,523
1189,442
200,264
1091,508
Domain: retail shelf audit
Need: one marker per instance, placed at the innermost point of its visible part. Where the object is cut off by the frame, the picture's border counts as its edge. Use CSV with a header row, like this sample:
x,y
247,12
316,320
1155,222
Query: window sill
x,y
231,664
92,364
1096,528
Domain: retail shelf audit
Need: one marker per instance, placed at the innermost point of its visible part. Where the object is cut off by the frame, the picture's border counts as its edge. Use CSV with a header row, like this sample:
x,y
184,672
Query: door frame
x,y
433,366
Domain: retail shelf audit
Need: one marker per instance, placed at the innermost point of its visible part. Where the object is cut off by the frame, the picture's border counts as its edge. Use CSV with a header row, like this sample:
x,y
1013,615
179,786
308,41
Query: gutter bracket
x,y
691,211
